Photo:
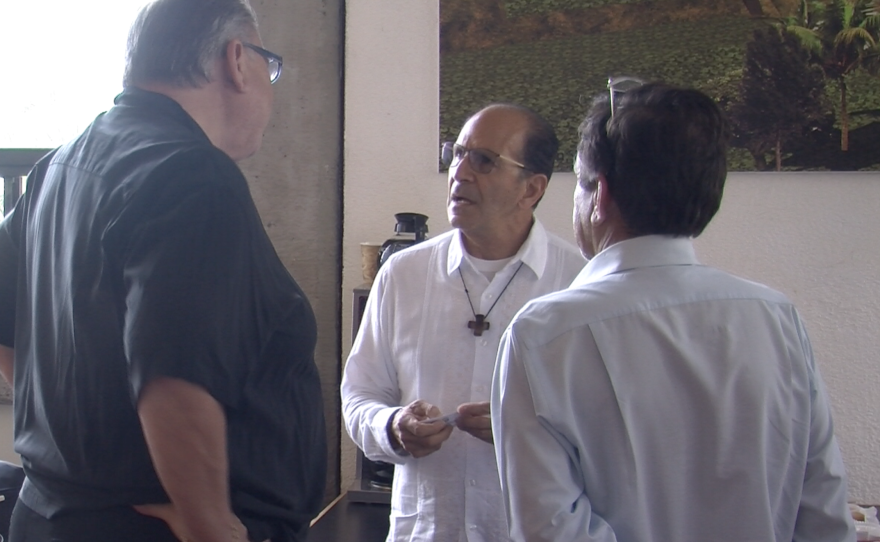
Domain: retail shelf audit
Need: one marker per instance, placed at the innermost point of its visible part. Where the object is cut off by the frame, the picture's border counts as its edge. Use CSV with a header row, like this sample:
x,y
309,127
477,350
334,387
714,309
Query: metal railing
x,y
14,167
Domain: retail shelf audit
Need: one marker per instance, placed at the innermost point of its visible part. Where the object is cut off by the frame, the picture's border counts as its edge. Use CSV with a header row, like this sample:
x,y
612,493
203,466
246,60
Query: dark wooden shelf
x,y
347,521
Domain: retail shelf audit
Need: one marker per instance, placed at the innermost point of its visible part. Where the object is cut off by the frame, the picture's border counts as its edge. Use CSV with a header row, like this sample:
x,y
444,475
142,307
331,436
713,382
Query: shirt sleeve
x,y
370,391
187,278
823,514
539,471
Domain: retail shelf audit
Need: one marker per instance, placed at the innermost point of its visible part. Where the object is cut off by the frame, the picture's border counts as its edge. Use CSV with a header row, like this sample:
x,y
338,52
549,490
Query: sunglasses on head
x,y
480,160
621,85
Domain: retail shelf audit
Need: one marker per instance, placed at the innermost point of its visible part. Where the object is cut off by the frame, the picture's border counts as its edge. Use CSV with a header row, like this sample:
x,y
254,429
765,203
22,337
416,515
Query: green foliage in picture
x,y
782,99
842,37
560,78
556,61
517,8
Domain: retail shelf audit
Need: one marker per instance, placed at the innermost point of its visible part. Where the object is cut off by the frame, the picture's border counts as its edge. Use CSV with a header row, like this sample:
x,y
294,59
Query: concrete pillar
x,y
296,178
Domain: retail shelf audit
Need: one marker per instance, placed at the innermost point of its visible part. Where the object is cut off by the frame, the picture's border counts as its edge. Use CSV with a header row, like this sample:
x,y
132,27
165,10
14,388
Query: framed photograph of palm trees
x,y
799,79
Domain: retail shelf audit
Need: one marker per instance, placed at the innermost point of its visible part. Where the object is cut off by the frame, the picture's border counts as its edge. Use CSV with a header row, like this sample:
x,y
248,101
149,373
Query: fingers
x,y
474,409
474,418
419,438
416,437
420,446
410,419
420,410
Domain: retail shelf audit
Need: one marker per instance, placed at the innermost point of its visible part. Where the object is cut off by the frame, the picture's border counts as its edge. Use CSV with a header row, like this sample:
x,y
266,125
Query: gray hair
x,y
176,42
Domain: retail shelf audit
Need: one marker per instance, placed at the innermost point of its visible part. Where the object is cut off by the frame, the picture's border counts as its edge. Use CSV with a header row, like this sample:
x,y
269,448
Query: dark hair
x,y
177,41
540,145
663,154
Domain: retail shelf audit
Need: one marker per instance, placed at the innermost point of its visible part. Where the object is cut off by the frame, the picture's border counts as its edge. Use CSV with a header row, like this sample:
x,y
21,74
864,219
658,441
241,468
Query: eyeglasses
x,y
480,160
272,59
621,85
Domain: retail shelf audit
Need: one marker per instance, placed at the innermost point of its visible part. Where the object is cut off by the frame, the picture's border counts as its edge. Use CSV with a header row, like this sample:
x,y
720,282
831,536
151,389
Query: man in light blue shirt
x,y
657,399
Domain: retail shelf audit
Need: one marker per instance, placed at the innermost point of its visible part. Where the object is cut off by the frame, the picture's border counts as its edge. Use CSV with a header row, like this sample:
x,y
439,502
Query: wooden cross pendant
x,y
480,325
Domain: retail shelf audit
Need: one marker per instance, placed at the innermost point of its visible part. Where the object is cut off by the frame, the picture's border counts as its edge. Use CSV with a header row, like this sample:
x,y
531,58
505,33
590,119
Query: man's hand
x,y
474,418
414,435
169,514
185,430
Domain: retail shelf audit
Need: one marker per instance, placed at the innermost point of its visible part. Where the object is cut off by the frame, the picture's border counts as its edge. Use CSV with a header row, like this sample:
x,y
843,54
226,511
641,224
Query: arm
x,y
369,391
371,394
185,429
540,476
823,514
381,428
182,246
7,356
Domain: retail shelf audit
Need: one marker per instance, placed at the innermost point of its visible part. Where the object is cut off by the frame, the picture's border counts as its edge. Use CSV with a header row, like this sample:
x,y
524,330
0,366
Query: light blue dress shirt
x,y
660,400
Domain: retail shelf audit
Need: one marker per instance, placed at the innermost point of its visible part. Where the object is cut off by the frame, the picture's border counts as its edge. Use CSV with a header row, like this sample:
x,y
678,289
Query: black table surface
x,y
346,521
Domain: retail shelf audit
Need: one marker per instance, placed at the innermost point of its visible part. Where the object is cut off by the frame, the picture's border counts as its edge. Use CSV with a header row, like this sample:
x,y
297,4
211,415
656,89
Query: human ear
x,y
601,200
536,185
234,63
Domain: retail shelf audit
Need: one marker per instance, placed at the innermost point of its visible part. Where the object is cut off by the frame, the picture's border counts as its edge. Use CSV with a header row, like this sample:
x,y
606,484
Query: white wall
x,y
812,236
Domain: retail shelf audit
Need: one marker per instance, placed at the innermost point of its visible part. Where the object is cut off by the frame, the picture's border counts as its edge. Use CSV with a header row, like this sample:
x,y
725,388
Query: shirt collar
x,y
533,252
645,251
158,104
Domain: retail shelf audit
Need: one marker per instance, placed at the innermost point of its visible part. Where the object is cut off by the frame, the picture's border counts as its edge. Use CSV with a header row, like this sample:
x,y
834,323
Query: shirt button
x,y
473,483
481,389
485,342
473,527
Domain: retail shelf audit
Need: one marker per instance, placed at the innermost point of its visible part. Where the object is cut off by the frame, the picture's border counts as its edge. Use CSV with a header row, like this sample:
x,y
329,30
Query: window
x,y
14,166
63,65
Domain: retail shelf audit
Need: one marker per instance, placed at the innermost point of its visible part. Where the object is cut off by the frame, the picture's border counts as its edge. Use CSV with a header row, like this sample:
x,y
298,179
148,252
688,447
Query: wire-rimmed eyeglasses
x,y
272,59
620,85
482,161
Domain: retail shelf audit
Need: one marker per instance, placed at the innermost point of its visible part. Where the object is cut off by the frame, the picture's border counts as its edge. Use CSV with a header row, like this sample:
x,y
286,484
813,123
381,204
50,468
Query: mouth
x,y
456,199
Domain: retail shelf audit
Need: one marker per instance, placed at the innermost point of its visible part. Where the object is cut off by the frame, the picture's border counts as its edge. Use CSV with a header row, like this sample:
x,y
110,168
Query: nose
x,y
462,172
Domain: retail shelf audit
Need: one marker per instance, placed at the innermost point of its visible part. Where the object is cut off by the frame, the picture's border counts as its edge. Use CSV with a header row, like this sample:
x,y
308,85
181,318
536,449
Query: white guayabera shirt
x,y
414,343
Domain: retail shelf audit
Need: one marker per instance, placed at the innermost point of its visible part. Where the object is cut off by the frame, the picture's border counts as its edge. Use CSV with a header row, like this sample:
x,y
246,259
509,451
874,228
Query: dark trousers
x,y
119,524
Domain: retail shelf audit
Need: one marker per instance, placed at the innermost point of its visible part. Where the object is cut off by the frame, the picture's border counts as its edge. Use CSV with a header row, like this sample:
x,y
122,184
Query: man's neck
x,y
611,232
205,105
496,245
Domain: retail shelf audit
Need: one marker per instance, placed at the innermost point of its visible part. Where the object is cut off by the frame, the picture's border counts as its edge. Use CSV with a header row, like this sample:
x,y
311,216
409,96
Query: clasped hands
x,y
412,433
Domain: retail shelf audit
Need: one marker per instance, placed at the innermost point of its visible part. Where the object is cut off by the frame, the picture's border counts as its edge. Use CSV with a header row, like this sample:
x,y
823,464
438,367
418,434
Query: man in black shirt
x,y
161,354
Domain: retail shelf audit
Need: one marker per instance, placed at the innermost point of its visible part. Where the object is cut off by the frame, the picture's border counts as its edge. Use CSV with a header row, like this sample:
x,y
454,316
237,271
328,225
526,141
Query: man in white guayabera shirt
x,y
657,399
430,332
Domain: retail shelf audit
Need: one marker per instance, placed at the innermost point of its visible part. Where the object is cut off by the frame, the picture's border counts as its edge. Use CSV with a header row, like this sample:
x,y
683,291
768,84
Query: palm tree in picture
x,y
841,36
781,96
872,23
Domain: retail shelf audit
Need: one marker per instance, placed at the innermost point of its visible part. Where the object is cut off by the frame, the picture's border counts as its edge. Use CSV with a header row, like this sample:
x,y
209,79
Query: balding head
x,y
176,42
540,144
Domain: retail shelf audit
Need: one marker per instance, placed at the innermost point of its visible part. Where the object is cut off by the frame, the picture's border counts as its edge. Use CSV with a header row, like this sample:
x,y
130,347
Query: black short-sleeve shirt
x,y
137,252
